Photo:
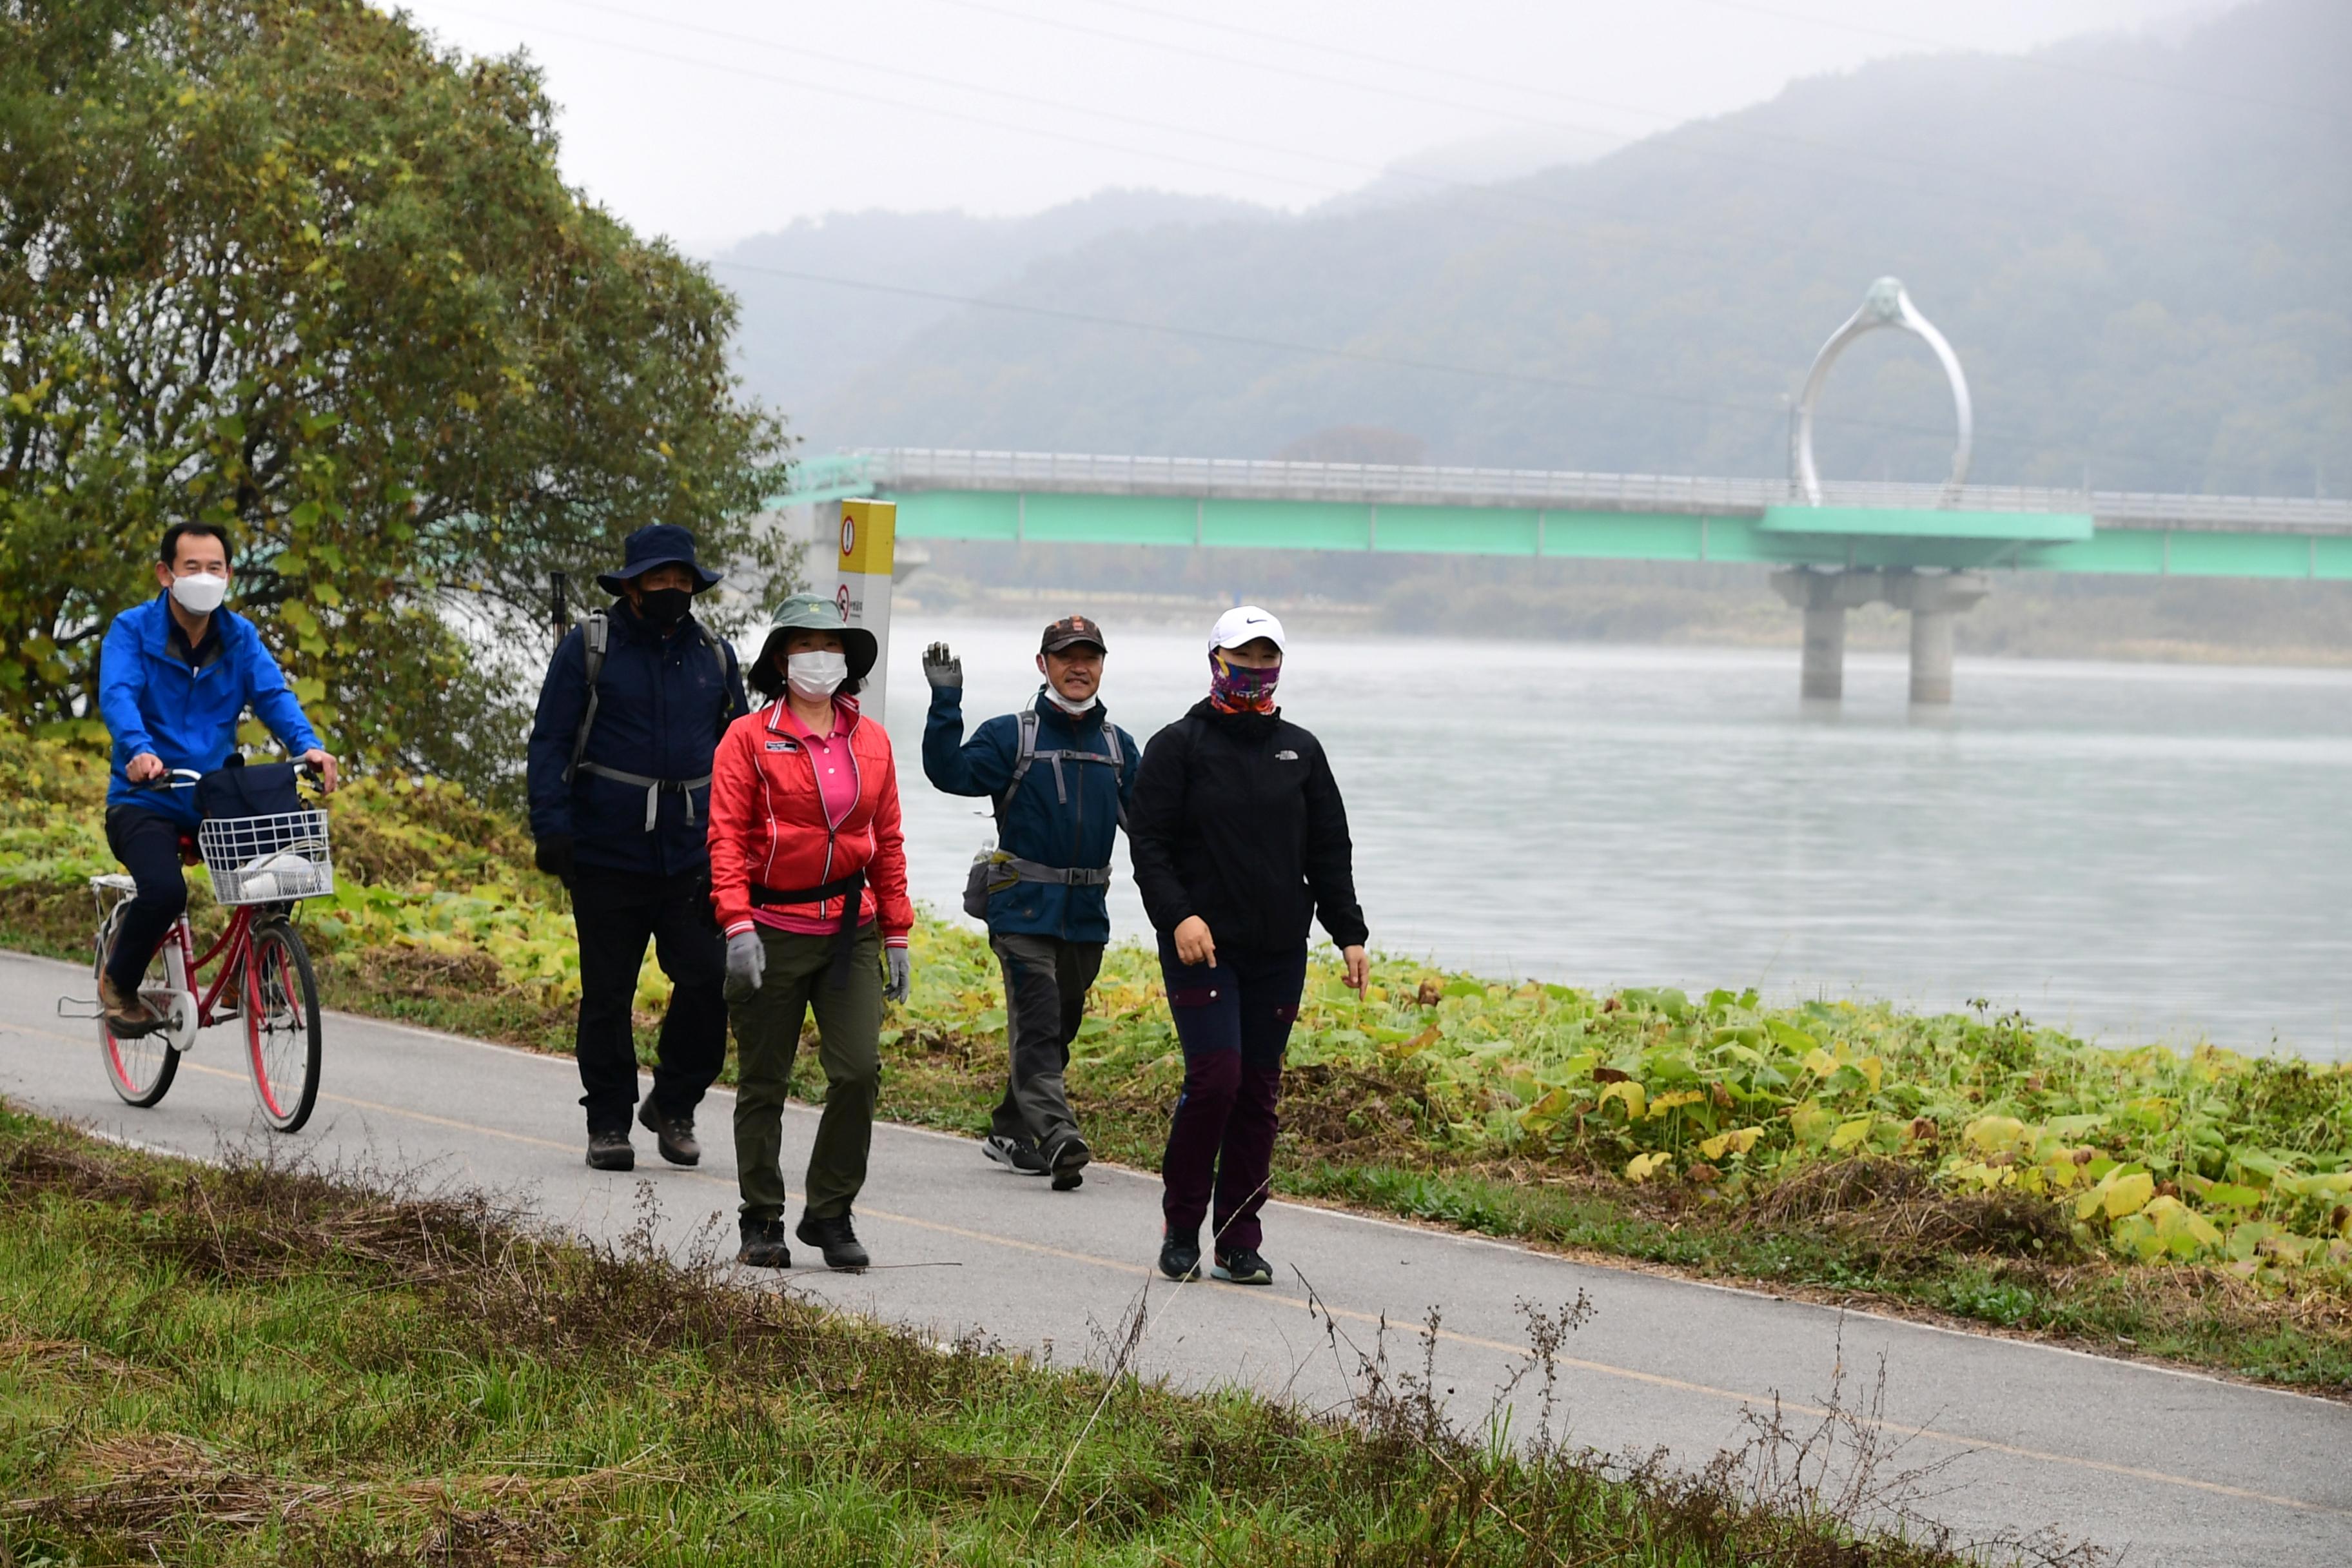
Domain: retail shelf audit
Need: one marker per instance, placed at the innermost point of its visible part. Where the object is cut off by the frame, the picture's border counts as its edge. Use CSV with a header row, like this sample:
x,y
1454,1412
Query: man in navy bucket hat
x,y
629,719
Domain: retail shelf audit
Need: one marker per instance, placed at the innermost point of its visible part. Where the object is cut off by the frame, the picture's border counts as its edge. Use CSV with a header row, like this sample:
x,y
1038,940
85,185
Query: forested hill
x,y
797,344
2140,248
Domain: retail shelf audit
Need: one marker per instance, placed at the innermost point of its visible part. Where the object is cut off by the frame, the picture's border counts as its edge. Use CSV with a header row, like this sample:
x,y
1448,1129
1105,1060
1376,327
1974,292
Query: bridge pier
x,y
1934,599
1825,597
1822,677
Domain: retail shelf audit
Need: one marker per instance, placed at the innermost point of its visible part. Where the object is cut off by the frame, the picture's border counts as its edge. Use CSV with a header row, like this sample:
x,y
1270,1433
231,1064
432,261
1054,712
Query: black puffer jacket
x,y
1237,819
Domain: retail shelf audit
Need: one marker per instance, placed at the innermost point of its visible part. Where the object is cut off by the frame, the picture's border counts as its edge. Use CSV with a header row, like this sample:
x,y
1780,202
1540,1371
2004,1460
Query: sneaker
x,y
1243,1266
1016,1154
1180,1254
608,1149
835,1238
1068,1157
673,1135
763,1245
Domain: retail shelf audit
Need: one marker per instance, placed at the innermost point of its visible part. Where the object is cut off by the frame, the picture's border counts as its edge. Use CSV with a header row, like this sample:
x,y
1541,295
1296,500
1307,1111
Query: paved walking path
x,y
2166,1468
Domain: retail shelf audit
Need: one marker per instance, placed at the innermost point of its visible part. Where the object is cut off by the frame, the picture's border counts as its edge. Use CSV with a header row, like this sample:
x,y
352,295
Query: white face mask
x,y
199,593
815,675
1067,706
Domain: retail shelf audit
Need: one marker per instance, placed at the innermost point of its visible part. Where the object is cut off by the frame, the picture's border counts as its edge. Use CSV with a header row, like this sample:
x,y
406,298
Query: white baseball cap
x,y
1245,622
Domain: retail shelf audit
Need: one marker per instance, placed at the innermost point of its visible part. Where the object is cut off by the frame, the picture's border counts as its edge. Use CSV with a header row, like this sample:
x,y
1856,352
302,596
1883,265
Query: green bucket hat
x,y
814,612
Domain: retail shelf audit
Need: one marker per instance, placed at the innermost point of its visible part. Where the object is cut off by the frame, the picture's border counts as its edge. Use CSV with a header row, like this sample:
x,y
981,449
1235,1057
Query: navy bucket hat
x,y
656,544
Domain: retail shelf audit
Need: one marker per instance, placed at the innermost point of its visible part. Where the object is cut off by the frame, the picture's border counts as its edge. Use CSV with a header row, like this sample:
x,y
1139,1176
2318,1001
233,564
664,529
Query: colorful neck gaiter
x,y
1235,689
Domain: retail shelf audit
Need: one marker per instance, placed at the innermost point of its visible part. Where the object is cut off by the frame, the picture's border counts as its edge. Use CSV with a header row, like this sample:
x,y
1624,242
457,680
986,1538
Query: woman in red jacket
x,y
808,875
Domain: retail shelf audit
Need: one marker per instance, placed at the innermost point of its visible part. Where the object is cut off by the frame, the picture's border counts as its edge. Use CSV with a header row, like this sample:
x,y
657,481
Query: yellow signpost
x,y
868,551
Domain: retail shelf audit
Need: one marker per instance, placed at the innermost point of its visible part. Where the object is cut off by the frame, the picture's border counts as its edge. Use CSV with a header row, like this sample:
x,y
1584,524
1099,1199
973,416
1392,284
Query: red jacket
x,y
768,826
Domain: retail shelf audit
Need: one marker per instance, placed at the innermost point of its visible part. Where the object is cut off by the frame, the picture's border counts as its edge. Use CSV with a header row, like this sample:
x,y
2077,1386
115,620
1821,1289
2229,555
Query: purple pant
x,y
1234,1019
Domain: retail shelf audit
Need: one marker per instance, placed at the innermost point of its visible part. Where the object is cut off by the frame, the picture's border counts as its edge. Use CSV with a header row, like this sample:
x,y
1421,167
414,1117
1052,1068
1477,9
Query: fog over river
x,y
2136,851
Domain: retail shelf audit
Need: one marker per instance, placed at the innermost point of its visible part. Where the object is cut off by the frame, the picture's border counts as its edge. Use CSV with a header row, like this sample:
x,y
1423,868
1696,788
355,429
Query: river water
x,y
2134,851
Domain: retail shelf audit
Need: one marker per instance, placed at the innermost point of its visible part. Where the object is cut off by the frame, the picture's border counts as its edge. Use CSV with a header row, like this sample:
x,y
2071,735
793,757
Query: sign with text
x,y
868,551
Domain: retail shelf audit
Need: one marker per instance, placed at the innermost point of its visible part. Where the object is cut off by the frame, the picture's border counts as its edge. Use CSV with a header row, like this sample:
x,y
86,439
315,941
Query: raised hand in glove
x,y
553,855
941,668
902,974
747,960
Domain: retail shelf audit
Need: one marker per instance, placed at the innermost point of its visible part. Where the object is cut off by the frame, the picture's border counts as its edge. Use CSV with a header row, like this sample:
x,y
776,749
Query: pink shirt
x,y
836,782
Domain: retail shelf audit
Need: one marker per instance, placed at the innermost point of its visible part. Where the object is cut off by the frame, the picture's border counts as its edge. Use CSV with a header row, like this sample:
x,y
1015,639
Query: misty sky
x,y
710,120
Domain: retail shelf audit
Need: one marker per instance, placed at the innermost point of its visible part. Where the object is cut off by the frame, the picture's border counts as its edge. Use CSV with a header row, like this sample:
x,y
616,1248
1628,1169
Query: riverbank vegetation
x,y
254,1363
2192,1206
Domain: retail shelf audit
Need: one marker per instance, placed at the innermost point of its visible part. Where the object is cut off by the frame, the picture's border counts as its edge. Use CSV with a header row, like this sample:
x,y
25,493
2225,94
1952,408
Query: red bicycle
x,y
260,867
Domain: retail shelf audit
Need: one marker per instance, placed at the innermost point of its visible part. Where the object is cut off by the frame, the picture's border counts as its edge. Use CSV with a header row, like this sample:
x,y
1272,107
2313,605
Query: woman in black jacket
x,y
1239,838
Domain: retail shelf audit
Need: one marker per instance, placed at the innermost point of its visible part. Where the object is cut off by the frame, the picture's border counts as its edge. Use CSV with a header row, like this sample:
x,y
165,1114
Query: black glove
x,y
941,668
553,855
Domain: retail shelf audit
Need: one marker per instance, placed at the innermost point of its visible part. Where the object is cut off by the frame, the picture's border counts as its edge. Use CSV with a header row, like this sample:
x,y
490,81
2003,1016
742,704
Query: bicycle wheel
x,y
281,1025
141,1067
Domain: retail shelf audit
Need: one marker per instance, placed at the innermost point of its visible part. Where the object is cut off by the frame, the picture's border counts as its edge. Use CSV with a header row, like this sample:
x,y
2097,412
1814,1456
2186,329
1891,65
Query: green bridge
x,y
1928,549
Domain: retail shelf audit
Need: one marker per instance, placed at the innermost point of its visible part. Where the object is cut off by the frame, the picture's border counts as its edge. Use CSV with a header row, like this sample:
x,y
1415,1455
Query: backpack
x,y
995,870
595,637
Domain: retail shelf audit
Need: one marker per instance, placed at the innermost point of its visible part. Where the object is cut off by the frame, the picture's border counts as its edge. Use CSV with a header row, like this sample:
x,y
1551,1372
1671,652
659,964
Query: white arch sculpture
x,y
1887,305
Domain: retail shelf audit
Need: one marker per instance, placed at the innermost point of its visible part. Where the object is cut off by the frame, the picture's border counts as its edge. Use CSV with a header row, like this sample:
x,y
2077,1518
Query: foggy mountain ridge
x,y
799,342
2147,288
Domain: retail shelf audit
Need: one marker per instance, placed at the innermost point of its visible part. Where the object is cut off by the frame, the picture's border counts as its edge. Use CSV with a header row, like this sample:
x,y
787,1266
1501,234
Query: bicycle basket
x,y
267,859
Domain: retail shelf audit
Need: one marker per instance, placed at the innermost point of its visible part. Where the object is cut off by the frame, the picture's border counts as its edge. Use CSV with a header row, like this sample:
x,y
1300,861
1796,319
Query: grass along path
x,y
2193,1207
250,1363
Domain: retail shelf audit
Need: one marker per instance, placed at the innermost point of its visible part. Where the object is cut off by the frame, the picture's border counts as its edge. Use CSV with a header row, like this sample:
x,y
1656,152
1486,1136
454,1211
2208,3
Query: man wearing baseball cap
x,y
1059,772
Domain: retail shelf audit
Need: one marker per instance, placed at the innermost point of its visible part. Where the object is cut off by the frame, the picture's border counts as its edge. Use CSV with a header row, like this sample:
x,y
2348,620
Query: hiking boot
x,y
129,1017
608,1149
837,1239
1180,1254
1016,1154
763,1245
673,1135
1068,1157
1243,1266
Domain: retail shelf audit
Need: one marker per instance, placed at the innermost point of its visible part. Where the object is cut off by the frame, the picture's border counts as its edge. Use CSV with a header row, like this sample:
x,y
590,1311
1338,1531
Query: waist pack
x,y
260,789
992,871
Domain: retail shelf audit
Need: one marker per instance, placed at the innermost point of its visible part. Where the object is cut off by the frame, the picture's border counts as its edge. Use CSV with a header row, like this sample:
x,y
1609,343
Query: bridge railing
x,y
925,468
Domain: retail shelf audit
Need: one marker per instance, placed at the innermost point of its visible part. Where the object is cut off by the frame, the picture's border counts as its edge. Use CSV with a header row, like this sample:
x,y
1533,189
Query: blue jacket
x,y
662,703
151,701
1038,825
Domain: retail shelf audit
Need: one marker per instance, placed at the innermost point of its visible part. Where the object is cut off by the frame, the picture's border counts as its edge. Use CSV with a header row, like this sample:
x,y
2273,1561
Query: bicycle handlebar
x,y
185,778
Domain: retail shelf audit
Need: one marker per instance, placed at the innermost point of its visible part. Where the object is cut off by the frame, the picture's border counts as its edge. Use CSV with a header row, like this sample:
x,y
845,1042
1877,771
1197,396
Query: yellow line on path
x,y
1602,1369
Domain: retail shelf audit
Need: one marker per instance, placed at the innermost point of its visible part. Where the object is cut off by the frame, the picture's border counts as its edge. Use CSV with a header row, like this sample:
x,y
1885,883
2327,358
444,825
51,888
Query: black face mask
x,y
663,608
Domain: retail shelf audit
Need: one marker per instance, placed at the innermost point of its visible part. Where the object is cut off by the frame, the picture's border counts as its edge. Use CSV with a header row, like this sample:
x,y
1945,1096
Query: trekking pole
x,y
563,606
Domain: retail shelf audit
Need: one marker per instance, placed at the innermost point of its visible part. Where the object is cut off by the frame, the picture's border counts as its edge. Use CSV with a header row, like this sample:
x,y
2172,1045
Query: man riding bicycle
x,y
174,675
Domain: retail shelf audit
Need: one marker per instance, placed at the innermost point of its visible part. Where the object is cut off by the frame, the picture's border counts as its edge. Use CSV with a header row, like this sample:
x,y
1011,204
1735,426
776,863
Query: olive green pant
x,y
797,980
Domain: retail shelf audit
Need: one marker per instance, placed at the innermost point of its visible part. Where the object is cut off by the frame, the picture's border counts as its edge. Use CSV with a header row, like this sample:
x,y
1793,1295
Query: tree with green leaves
x,y
288,267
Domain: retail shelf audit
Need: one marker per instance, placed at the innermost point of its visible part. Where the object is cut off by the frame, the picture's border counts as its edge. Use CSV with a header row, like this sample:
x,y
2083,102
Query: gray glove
x,y
747,959
941,668
902,974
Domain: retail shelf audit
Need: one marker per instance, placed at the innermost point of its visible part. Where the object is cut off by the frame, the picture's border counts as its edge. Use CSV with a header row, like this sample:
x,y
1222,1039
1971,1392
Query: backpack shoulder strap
x,y
596,636
730,672
1118,766
1021,762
